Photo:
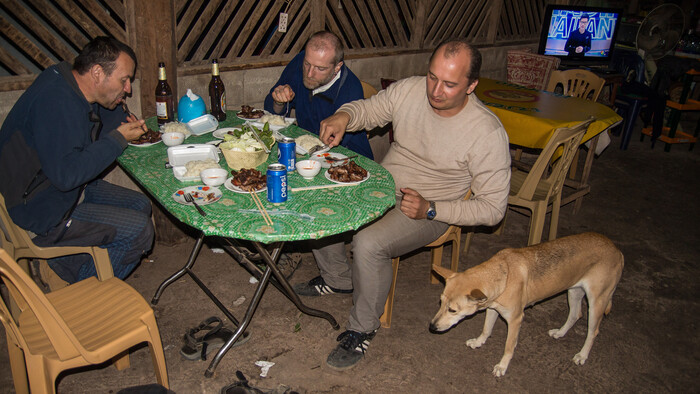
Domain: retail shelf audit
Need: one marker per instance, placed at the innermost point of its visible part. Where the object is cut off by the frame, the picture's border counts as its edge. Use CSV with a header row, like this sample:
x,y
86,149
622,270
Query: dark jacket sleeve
x,y
61,132
286,78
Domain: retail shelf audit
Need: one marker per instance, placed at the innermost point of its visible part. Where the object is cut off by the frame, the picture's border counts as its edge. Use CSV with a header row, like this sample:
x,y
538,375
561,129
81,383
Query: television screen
x,y
579,35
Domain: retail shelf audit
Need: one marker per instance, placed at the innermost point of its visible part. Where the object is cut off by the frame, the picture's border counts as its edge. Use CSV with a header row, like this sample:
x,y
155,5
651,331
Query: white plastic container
x,y
180,155
202,125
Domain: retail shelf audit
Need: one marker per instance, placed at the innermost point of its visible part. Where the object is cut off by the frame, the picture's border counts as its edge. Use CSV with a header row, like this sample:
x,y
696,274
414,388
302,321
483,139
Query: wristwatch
x,y
431,211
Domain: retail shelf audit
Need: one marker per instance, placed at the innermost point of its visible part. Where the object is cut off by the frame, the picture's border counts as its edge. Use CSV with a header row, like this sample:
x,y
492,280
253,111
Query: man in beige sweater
x,y
446,142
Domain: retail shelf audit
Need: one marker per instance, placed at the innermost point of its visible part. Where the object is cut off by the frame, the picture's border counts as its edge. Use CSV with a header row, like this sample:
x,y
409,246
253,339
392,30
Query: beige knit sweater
x,y
439,157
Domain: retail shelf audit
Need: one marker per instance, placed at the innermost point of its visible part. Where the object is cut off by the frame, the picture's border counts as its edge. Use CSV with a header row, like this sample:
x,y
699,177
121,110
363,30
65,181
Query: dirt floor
x,y
645,200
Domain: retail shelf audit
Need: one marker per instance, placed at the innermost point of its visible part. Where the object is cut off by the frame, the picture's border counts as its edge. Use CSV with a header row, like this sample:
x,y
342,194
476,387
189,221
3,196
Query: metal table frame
x,y
271,274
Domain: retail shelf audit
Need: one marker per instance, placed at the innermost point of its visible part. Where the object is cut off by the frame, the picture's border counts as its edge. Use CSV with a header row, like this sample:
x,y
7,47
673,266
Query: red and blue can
x,y
287,153
277,190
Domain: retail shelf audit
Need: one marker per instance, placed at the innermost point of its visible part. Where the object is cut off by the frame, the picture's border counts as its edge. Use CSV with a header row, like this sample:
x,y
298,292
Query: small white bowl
x,y
214,176
308,169
173,138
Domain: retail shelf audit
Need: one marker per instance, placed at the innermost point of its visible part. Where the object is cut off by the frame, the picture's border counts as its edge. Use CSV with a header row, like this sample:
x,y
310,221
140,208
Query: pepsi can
x,y
277,190
287,153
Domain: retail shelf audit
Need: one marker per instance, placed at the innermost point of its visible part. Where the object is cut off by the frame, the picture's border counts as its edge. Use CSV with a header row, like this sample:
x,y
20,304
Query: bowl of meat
x,y
308,169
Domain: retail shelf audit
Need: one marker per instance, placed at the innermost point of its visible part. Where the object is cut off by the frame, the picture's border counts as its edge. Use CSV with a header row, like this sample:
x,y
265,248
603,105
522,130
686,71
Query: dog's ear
x,y
477,295
443,272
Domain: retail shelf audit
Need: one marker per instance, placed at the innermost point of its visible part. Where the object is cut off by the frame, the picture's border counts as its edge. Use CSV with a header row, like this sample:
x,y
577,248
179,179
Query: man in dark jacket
x,y
63,132
579,41
315,84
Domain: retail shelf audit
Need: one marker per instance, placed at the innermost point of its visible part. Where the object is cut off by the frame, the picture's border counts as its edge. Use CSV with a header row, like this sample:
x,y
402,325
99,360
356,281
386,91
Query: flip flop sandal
x,y
240,387
214,341
192,350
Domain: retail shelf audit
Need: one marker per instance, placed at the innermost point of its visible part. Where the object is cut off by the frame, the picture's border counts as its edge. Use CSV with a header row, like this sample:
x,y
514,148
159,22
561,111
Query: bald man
x,y
446,142
315,84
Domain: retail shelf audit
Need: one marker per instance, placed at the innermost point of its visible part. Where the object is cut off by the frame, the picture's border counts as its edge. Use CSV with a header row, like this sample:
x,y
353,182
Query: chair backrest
x,y
30,299
541,184
577,83
530,69
368,90
629,64
12,237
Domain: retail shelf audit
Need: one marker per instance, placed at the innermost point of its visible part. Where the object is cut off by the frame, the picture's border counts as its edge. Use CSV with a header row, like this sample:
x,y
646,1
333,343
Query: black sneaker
x,y
317,287
350,350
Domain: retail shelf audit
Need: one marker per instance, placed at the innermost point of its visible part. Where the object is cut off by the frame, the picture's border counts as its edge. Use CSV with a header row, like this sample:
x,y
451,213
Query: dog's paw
x,y
556,333
475,342
580,359
499,370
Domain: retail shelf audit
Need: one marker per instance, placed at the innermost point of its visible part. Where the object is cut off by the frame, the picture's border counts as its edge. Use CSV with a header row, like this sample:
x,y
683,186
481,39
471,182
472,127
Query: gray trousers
x,y
373,247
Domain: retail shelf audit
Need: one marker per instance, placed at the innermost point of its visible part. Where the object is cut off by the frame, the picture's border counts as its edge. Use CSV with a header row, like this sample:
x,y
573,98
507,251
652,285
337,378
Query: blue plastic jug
x,y
190,107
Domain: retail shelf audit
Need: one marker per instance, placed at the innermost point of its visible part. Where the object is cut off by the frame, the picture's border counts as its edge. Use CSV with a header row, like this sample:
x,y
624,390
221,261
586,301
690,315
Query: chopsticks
x,y
261,207
297,189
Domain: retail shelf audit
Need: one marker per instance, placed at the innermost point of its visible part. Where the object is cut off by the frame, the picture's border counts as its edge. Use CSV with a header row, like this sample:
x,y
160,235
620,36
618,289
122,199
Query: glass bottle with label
x,y
217,93
165,103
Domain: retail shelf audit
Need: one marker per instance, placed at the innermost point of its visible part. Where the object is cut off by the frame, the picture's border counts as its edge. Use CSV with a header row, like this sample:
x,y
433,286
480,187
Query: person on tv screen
x,y
579,41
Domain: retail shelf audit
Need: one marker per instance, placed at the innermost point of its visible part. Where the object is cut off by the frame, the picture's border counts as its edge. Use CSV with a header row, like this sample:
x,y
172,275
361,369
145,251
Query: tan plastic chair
x,y
368,90
86,323
577,83
20,247
453,234
538,188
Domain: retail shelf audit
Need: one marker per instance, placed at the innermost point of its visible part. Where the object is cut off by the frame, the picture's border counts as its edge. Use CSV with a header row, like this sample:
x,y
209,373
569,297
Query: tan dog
x,y
513,279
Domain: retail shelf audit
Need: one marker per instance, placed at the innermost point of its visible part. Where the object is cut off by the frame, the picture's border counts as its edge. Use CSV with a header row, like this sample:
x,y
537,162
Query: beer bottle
x,y
165,104
217,93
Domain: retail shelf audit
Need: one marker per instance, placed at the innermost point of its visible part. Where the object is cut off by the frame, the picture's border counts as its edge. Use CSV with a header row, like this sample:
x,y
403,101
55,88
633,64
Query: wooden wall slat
x,y
248,24
40,30
75,36
83,20
392,15
105,19
194,34
296,16
439,16
184,24
23,42
204,19
12,63
270,19
118,8
228,36
360,17
375,25
299,44
346,25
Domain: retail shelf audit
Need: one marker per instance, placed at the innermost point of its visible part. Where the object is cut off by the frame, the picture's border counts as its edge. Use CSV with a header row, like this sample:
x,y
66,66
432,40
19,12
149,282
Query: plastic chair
x,y
86,323
577,83
453,234
628,101
20,247
368,90
537,189
530,69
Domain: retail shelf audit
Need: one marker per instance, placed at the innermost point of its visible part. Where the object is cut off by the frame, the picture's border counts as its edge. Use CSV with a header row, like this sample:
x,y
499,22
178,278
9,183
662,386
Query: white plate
x,y
222,132
321,156
200,193
252,119
328,176
146,144
230,186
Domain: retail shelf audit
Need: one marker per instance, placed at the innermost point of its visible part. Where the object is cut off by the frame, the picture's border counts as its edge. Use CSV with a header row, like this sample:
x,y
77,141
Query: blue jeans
x,y
111,217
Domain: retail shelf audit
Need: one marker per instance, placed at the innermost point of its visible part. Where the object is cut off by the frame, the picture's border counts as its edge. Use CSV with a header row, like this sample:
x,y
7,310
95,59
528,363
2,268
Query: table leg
x,y
187,269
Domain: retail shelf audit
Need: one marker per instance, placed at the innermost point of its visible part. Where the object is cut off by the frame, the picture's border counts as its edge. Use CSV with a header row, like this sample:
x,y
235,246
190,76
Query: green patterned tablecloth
x,y
308,214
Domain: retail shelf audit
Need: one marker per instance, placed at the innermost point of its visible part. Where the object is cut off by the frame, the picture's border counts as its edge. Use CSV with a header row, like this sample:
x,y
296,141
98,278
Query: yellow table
x,y
530,117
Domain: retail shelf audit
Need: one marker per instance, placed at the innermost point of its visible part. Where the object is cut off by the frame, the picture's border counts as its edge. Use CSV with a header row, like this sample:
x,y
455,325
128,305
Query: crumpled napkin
x,y
265,366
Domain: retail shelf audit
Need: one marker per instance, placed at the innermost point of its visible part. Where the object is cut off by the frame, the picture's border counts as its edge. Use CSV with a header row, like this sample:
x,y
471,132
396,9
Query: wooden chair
x,y
530,69
86,323
537,189
453,234
20,247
